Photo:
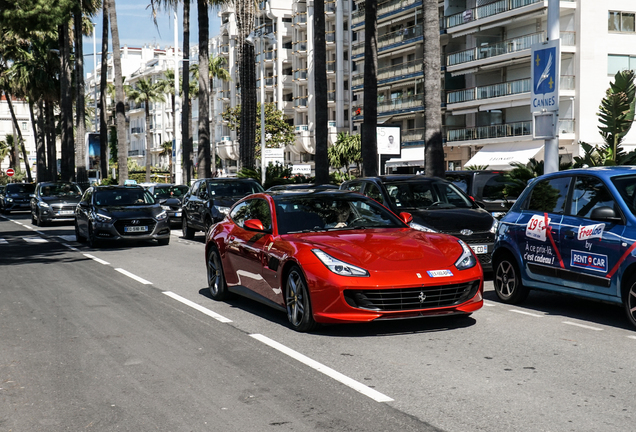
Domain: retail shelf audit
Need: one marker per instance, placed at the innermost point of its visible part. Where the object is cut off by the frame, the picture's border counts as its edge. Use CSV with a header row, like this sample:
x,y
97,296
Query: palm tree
x,y
204,157
166,147
145,92
120,110
103,89
370,103
320,88
434,158
67,166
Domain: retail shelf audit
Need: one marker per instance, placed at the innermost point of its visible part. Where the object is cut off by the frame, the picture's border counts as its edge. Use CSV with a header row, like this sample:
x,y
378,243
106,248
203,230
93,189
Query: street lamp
x,y
262,39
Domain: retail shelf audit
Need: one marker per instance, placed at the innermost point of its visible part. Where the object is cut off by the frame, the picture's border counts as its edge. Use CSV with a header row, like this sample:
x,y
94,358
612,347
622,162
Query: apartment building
x,y
7,127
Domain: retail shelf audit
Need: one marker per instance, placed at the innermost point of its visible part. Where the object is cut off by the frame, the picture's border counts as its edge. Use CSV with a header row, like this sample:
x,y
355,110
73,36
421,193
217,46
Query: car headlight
x,y
224,210
102,218
165,207
421,227
44,205
9,199
495,224
161,216
339,267
467,259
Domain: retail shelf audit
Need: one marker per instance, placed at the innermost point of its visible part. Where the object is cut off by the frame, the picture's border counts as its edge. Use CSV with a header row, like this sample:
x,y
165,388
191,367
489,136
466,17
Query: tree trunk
x,y
103,89
148,142
67,168
80,104
120,110
40,149
19,141
186,121
320,85
247,132
434,150
370,104
51,138
203,166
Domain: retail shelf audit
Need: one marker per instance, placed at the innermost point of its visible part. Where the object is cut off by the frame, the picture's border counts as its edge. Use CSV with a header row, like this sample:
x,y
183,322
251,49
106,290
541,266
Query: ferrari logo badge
x,y
421,297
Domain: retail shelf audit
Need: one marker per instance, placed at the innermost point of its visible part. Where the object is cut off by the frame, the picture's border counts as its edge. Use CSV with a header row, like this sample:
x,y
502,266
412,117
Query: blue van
x,y
571,232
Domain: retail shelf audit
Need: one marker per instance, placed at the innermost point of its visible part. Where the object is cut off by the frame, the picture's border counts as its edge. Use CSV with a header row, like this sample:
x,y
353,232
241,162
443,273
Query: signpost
x,y
10,172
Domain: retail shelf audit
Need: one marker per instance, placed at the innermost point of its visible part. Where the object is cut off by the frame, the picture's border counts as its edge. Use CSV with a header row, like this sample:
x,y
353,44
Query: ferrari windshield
x,y
427,195
316,212
123,197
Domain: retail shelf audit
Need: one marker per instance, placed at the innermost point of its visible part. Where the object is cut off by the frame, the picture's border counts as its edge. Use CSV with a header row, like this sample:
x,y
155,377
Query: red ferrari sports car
x,y
330,256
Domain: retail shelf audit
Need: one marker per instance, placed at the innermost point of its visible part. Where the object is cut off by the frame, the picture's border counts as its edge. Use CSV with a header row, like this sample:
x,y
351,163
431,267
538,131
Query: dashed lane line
x,y
3,241
349,382
35,240
198,307
526,313
133,276
582,326
101,261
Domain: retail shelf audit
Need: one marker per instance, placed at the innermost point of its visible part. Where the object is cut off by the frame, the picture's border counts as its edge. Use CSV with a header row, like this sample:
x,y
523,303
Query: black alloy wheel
x,y
216,277
629,300
297,301
188,233
508,286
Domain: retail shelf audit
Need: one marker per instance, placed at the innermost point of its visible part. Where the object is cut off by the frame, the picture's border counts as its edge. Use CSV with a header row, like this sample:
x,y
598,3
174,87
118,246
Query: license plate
x,y
439,273
66,212
177,214
479,249
135,229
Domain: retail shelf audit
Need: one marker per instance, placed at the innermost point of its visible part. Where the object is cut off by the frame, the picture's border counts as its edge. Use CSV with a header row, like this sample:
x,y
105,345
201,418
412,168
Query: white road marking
x,y
489,304
349,382
582,326
526,313
198,307
16,222
3,241
70,247
41,233
132,276
632,337
101,261
68,237
34,240
29,227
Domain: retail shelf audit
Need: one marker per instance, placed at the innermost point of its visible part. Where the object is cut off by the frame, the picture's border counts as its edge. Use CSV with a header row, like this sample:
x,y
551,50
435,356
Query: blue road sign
x,y
546,59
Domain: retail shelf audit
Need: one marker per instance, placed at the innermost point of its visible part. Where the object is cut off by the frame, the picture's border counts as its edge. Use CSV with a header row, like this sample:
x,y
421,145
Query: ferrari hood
x,y
382,249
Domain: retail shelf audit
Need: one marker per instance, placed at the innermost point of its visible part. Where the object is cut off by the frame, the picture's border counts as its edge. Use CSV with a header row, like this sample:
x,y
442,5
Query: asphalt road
x,y
126,338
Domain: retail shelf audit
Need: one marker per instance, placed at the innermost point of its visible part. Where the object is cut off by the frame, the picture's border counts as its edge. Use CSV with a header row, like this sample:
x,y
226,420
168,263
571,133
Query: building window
x,y
617,63
623,22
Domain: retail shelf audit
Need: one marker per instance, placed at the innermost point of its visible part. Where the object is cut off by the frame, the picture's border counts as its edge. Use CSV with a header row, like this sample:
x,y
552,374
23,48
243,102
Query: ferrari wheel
x,y
216,278
188,233
298,302
508,286
629,301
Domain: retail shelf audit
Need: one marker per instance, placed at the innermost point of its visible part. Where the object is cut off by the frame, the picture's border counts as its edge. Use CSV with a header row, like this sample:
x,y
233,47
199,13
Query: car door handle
x,y
570,234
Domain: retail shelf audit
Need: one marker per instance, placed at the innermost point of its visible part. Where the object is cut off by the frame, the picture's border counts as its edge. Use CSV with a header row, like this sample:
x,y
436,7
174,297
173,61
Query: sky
x,y
137,28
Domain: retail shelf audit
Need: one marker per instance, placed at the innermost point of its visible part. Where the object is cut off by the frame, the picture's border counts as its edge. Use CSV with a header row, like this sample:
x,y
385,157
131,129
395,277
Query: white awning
x,y
411,156
500,156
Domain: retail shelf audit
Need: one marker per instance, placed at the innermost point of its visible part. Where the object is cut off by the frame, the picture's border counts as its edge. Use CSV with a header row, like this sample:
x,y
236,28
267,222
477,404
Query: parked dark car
x,y
16,197
169,196
209,200
486,187
54,202
297,186
120,213
436,206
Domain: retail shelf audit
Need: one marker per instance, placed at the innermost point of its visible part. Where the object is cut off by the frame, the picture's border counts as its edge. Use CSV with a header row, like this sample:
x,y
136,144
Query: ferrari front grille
x,y
401,299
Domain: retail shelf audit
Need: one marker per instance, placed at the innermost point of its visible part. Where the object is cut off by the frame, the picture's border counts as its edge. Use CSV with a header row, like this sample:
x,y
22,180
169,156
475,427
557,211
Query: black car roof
x,y
401,177
111,187
307,192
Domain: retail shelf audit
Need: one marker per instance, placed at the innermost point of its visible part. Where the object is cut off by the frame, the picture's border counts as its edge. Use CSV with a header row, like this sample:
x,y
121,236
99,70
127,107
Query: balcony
x,y
300,128
225,95
270,81
392,40
412,135
331,66
300,47
501,51
300,19
490,10
490,132
385,9
300,102
226,138
136,153
331,123
330,36
331,96
300,74
408,103
489,91
391,74
224,50
330,7
136,130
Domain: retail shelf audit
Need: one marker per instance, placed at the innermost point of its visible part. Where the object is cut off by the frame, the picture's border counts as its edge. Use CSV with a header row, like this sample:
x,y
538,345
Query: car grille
x,y
485,259
474,238
401,299
65,207
120,224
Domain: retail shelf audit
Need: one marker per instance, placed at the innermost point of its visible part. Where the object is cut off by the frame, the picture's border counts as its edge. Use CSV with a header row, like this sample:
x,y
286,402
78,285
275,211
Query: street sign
x,y
10,172
274,155
301,169
546,61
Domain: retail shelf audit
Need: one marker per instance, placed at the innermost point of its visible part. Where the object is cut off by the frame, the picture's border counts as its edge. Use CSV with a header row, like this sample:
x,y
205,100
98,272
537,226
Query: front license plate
x,y
439,273
135,229
479,249
177,214
67,212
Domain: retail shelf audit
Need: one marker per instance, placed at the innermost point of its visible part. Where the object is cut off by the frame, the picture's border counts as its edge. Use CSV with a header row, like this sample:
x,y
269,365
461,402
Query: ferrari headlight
x,y
224,210
161,216
467,259
339,267
495,224
102,218
421,227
